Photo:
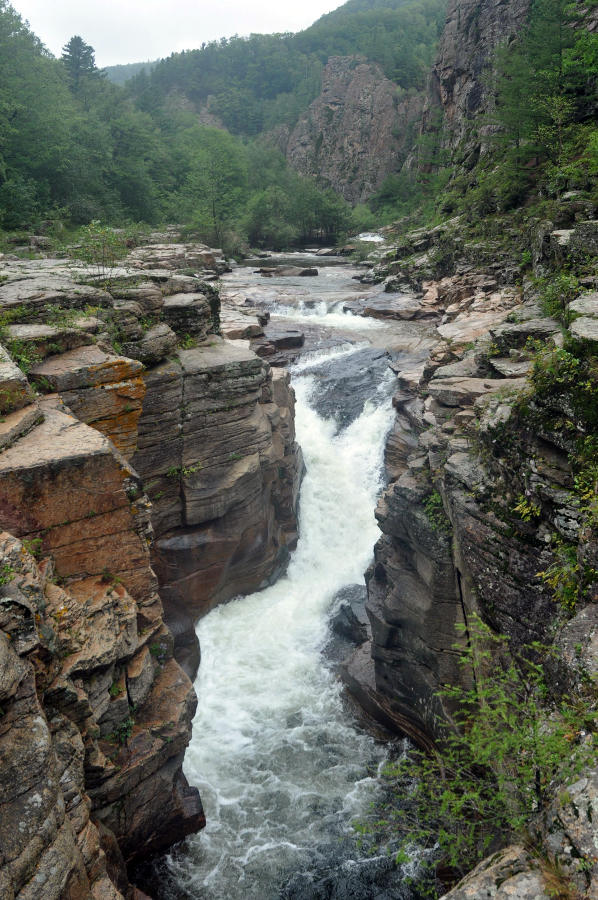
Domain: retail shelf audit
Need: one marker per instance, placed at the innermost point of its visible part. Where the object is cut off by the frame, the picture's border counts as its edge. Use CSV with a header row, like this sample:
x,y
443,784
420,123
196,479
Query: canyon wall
x,y
459,97
356,131
125,394
486,496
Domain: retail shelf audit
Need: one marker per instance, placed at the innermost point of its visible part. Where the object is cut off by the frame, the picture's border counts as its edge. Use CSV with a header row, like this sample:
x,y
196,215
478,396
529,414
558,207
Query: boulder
x,y
512,873
157,343
585,328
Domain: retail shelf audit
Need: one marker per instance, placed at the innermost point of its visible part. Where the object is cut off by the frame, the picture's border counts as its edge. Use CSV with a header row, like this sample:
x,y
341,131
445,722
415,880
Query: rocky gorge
x,y
191,453
130,393
150,471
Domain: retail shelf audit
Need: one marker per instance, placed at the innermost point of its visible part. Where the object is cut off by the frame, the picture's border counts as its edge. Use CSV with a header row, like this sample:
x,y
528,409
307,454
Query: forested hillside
x,y
252,84
74,147
121,74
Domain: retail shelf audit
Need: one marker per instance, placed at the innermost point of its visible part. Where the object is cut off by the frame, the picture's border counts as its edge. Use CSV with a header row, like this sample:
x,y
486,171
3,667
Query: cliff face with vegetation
x,y
356,131
460,89
129,392
490,509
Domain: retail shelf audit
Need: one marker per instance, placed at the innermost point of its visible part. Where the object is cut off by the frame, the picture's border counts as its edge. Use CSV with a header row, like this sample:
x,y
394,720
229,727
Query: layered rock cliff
x,y
356,131
123,393
486,496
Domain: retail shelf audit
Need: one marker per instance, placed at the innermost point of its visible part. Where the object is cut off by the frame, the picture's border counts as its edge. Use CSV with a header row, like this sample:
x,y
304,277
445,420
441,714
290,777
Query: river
x,y
282,765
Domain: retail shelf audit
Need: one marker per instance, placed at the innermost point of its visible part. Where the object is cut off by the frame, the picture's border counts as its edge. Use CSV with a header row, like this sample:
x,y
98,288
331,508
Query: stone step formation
x,y
124,393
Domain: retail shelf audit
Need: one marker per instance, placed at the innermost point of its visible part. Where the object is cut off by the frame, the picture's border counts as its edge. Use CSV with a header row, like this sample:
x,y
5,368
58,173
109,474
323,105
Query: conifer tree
x,y
79,60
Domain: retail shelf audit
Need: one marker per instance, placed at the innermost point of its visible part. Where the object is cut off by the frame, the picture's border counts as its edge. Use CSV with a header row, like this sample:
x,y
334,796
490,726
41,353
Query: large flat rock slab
x,y
31,294
85,367
217,355
465,391
47,340
59,441
467,327
15,390
402,308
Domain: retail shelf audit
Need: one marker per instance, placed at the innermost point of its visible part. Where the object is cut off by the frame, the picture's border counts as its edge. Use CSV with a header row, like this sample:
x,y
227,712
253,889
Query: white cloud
x,y
133,30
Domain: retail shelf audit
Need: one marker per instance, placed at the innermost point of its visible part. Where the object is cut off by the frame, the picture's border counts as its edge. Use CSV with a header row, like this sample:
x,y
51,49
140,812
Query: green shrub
x,y
497,770
100,248
555,292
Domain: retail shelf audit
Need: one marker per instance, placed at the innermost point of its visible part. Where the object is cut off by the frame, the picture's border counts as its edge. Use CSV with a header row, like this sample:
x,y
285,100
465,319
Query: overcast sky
x,y
136,30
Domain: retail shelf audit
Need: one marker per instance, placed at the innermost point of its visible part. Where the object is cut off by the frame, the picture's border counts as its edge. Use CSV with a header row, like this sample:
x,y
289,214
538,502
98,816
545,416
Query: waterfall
x,y
281,765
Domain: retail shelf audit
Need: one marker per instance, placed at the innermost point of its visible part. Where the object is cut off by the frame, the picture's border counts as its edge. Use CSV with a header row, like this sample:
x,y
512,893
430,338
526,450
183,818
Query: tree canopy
x,y
253,84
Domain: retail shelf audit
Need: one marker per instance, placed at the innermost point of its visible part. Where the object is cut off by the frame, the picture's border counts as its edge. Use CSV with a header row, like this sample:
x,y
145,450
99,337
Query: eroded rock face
x,y
67,715
355,132
95,713
217,452
482,495
67,493
460,458
460,86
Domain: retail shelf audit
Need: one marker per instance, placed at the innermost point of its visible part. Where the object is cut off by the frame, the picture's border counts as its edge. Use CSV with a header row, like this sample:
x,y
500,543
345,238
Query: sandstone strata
x,y
127,391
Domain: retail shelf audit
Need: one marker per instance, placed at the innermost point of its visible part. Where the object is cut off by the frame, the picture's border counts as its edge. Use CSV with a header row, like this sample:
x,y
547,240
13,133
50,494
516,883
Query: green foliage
x,y
254,84
100,248
158,651
555,292
512,746
33,546
556,372
78,59
526,509
24,354
115,689
542,127
7,573
567,577
191,470
434,508
123,731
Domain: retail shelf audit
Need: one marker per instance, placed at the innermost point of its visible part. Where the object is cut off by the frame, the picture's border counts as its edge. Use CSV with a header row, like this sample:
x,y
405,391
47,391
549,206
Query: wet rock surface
x,y
345,385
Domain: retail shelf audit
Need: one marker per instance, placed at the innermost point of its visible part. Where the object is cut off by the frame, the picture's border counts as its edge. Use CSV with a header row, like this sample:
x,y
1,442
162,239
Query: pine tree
x,y
79,59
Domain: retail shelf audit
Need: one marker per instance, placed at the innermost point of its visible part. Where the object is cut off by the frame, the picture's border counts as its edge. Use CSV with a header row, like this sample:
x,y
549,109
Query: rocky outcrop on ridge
x,y
355,132
112,395
459,90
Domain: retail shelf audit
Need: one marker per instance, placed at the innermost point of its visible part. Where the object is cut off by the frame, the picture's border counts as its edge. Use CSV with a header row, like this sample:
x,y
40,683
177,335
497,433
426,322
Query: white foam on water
x,y
325,314
279,763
